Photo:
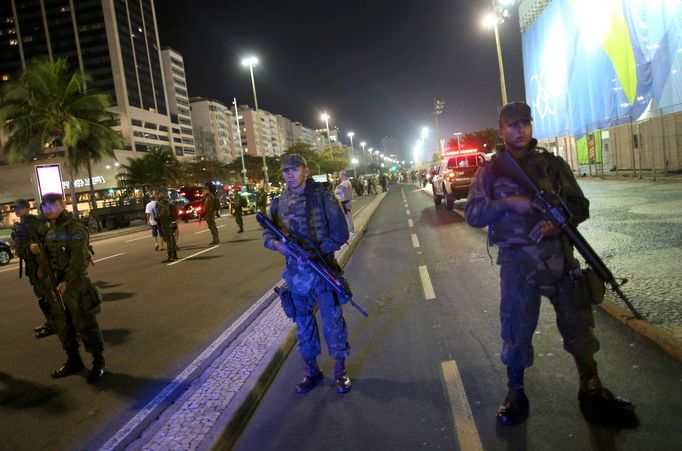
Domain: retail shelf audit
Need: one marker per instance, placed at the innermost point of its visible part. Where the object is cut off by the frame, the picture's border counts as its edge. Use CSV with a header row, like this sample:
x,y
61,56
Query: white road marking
x,y
140,238
426,283
415,240
208,230
11,268
407,212
406,205
161,398
190,256
410,223
106,258
467,434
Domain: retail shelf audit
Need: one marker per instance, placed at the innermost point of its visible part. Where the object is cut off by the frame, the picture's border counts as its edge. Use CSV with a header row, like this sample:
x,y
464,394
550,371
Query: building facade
x,y
215,130
115,42
262,136
178,103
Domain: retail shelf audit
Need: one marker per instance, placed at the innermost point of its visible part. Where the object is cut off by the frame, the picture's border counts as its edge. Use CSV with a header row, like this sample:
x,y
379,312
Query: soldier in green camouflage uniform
x,y
167,217
31,226
312,216
66,242
529,269
209,203
238,202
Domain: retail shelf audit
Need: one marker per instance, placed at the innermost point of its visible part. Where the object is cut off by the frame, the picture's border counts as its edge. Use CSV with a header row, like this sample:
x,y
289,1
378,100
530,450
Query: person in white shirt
x,y
150,211
344,193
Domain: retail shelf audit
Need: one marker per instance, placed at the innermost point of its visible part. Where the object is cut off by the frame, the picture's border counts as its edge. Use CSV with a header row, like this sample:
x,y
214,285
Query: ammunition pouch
x,y
90,300
287,301
589,285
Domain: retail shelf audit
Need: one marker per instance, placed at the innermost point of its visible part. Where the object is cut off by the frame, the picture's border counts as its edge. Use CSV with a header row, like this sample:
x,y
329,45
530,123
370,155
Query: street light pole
x,y
252,61
241,148
503,85
459,144
437,111
363,144
325,118
352,149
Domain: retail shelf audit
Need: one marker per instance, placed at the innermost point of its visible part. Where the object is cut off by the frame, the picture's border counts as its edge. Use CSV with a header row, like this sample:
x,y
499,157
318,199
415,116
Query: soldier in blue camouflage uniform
x,y
31,226
312,216
66,243
529,269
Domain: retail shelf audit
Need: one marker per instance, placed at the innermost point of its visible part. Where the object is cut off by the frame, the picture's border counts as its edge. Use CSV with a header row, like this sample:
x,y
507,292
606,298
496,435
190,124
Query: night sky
x,y
374,65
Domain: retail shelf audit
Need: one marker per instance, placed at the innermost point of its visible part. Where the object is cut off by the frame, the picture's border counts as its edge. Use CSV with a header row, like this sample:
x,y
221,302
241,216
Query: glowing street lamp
x,y
350,135
493,20
250,62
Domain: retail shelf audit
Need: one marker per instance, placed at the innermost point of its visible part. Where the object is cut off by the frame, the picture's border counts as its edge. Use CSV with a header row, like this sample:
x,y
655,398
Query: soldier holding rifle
x,y
312,217
64,256
536,259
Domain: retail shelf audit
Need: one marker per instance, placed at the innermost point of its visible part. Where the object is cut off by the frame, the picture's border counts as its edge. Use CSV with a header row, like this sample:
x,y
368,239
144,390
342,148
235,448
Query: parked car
x,y
5,252
452,177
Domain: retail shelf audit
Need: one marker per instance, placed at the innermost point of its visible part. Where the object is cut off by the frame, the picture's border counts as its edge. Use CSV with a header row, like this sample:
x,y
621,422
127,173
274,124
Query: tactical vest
x,y
512,228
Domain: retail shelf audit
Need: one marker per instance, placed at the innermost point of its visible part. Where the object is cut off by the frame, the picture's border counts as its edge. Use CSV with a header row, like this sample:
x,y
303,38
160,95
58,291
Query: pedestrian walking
x,y
32,227
167,218
311,216
344,193
530,269
209,203
150,213
67,248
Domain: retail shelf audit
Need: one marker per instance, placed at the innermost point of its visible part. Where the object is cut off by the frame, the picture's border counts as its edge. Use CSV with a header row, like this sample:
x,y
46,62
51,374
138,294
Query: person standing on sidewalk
x,y
32,227
262,199
66,243
344,193
209,203
312,216
530,269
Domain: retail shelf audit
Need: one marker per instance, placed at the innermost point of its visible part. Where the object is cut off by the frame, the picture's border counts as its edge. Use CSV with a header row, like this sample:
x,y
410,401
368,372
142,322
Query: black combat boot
x,y
342,381
515,407
73,364
45,330
597,404
313,376
97,370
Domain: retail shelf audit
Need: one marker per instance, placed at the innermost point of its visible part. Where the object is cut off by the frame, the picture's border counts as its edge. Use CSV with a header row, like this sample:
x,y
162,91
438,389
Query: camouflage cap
x,y
21,203
515,111
292,161
52,197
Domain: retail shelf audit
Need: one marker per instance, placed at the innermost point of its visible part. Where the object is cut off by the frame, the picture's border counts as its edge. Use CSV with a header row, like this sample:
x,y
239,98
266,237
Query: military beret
x,y
52,197
292,161
515,111
21,203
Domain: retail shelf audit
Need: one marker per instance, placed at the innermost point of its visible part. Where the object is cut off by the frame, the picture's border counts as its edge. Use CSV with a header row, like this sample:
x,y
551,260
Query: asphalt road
x,y
425,365
155,319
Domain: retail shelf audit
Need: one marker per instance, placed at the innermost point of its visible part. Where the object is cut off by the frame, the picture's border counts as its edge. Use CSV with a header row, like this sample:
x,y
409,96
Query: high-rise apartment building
x,y
215,130
178,103
115,41
268,139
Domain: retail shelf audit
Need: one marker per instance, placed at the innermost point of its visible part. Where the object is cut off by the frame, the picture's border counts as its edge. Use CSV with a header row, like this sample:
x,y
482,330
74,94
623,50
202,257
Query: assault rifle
x,y
45,265
556,210
320,267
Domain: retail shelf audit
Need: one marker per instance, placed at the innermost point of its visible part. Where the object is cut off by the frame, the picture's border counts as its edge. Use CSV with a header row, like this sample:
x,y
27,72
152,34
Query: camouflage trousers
x,y
82,305
520,309
210,222
334,325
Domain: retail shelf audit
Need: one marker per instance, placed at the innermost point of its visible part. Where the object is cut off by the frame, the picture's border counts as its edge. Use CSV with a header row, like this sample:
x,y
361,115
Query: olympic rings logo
x,y
544,103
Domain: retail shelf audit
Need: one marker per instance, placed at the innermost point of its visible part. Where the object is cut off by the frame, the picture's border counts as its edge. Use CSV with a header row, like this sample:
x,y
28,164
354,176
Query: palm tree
x,y
49,107
155,169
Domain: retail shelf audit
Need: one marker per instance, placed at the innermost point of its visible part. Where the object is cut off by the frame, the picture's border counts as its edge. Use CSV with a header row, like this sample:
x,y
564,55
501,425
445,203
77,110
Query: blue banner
x,y
594,64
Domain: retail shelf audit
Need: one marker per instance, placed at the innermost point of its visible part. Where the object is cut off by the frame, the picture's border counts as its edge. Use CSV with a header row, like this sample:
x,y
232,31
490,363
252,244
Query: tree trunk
x,y
72,190
93,200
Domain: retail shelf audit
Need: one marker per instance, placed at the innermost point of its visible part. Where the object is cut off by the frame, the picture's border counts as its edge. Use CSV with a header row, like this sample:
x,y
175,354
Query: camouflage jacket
x,y
326,229
543,263
209,202
31,227
67,245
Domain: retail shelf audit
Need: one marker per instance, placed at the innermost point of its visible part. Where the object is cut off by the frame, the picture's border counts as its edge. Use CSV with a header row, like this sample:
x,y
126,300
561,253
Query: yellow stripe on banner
x,y
465,426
